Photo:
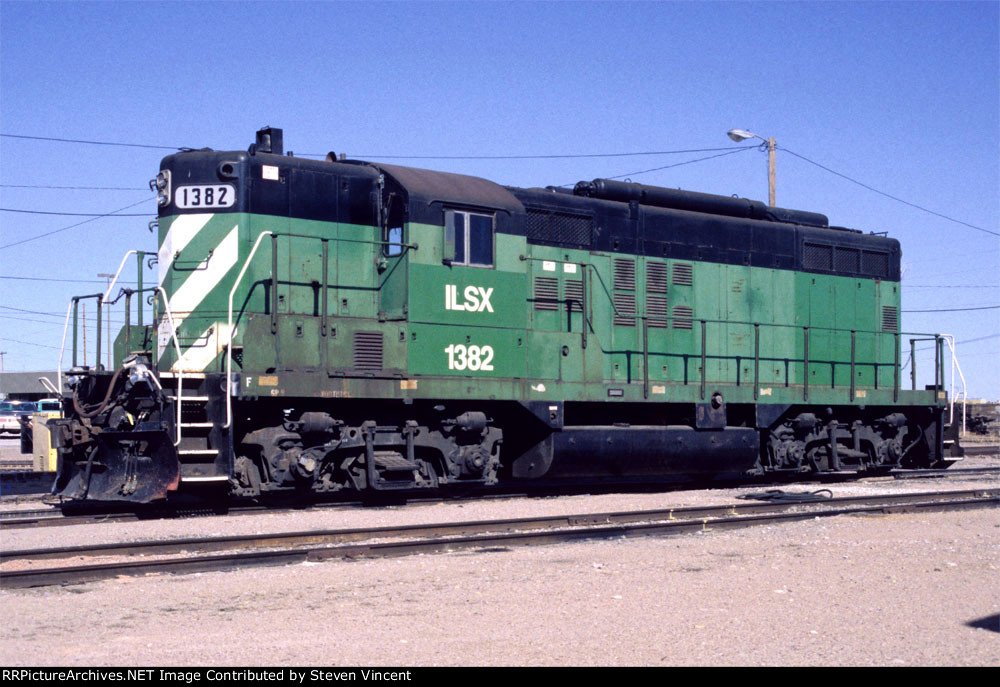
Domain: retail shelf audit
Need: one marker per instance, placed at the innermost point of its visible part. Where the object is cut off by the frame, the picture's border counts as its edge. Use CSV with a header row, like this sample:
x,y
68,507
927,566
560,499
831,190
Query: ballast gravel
x,y
903,589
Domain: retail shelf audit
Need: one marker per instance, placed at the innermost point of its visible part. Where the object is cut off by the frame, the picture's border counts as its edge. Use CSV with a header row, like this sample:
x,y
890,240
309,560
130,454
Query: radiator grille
x,y
574,294
560,227
817,257
625,275
657,312
656,277
546,293
368,350
682,315
625,309
846,260
683,275
890,318
875,263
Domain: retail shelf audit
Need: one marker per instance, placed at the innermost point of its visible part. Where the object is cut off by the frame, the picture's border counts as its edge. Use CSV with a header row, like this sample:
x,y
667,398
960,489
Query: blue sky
x,y
901,96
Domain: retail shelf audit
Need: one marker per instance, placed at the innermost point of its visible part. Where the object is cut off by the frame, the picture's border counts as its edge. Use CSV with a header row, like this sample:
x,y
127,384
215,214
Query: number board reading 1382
x,y
216,196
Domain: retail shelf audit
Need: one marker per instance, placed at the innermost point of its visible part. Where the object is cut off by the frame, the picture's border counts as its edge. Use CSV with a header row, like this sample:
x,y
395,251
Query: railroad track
x,y
53,517
201,554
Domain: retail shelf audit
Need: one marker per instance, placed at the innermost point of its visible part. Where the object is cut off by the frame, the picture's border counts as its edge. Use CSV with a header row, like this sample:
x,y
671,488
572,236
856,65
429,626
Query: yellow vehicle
x,y
35,434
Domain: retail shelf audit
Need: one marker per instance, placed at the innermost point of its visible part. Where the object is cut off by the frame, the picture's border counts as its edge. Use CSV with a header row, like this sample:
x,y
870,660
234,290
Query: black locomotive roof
x,y
424,187
601,215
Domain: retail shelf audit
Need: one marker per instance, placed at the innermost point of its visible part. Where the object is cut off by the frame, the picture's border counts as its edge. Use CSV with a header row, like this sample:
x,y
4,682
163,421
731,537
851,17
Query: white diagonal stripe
x,y
181,231
205,349
200,283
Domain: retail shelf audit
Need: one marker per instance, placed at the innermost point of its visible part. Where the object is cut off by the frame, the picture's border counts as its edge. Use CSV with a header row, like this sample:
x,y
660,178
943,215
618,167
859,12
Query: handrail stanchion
x,y
704,358
853,355
326,272
913,364
756,361
645,355
805,363
180,370
937,361
274,283
895,368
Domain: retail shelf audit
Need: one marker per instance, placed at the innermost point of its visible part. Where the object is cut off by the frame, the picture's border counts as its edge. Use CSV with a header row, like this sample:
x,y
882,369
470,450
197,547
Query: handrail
x,y
950,340
114,281
62,347
180,371
231,332
49,386
806,329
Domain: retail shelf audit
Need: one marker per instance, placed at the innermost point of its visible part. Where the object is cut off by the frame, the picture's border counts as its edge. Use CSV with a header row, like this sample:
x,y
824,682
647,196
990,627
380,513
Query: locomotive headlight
x,y
161,184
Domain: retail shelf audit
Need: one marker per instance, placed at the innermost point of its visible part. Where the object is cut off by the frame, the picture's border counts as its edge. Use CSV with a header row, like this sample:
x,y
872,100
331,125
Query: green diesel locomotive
x,y
341,324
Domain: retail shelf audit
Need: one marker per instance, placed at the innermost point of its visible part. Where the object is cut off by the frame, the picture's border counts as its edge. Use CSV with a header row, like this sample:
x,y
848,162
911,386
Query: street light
x,y
738,135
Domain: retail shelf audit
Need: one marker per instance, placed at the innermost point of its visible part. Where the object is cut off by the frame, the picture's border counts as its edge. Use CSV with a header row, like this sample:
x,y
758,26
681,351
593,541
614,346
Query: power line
x,y
96,143
28,343
78,188
401,157
883,193
985,307
74,214
951,286
74,281
688,162
56,231
532,157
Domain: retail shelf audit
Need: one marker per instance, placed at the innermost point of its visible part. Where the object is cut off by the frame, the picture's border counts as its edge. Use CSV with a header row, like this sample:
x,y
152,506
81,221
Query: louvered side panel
x,y
890,318
368,350
683,274
625,309
624,279
546,293
682,317
574,294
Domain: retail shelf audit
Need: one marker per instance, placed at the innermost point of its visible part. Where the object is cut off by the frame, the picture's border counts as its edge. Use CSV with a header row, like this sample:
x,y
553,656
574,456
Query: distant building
x,y
24,386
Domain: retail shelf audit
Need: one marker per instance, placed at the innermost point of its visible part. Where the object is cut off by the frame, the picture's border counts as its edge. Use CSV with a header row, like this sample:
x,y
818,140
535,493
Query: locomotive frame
x,y
338,324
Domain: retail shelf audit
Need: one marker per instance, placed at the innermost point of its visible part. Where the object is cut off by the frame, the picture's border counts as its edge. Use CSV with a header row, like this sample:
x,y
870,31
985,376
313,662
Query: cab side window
x,y
470,236
392,233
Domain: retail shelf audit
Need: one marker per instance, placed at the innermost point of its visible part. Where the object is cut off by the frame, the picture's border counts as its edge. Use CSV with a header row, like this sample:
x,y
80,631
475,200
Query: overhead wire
x,y
532,157
74,214
96,143
887,195
77,188
984,307
72,281
72,226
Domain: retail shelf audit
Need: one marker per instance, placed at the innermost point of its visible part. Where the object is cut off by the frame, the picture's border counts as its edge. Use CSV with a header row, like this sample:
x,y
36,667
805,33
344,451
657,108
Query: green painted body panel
x,y
521,324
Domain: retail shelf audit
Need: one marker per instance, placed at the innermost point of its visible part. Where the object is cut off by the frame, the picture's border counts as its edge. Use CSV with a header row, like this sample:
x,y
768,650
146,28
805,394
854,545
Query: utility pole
x,y
770,171
2,354
738,135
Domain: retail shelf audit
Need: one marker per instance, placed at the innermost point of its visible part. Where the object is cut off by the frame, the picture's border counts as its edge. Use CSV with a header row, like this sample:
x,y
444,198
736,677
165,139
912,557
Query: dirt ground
x,y
908,589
